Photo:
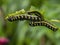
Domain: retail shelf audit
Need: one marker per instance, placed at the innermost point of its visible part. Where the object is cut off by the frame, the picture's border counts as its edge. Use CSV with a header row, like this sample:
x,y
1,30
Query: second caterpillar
x,y
44,23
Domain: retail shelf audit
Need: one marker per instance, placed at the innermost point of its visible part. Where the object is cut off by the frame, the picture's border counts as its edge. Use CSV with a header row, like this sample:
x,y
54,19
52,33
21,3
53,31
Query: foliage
x,y
20,33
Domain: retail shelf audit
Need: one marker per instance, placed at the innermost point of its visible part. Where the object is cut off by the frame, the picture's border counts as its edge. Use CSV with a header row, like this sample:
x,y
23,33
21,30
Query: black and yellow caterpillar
x,y
28,16
23,17
44,23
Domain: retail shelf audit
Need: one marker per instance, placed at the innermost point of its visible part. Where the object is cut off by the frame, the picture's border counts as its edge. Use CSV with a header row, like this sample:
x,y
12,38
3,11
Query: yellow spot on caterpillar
x,y
29,17
39,18
25,16
22,16
18,17
15,17
35,18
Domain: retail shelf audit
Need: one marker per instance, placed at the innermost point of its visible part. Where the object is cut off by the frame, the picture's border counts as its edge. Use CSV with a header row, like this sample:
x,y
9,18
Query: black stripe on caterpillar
x,y
36,13
23,17
44,23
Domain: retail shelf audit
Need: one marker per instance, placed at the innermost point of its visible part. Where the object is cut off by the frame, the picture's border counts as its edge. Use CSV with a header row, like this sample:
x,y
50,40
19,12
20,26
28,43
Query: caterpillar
x,y
36,13
22,17
44,23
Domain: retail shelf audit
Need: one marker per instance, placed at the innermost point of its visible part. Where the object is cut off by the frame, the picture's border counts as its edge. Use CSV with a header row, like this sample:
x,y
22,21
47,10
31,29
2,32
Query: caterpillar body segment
x,y
23,17
44,23
36,13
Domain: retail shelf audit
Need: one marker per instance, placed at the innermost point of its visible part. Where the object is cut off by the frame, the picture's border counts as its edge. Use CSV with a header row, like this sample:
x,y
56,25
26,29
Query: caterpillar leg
x,y
36,13
44,23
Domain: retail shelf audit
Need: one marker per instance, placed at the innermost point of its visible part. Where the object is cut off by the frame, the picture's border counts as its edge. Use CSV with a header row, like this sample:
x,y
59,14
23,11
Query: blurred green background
x,y
20,33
